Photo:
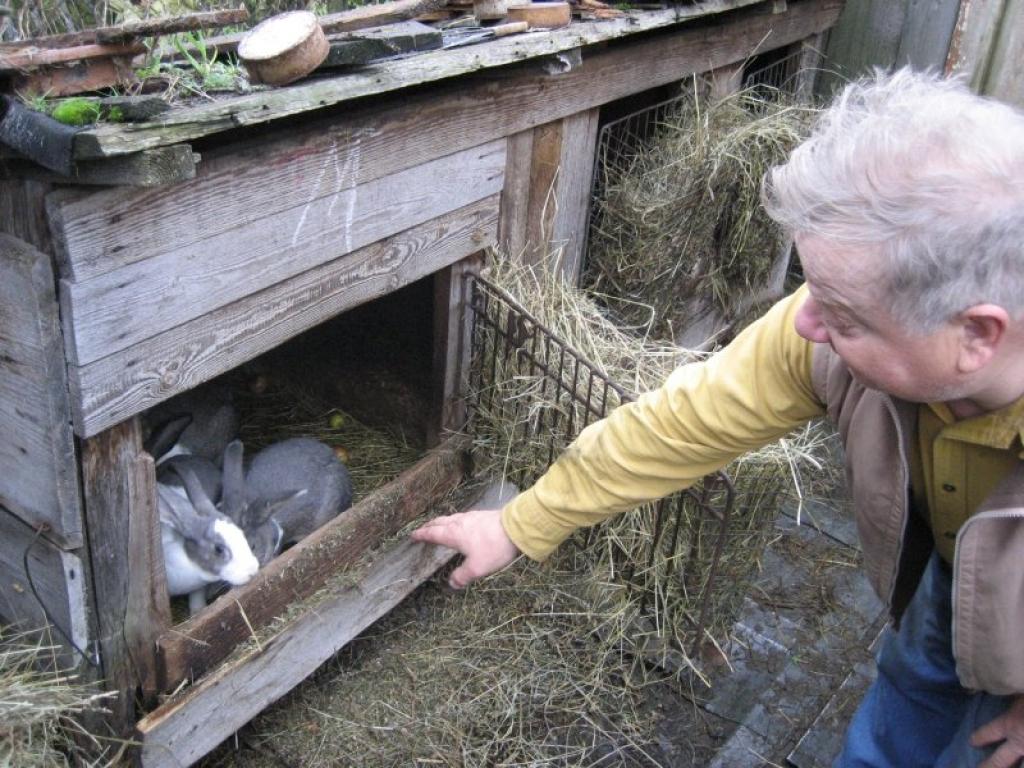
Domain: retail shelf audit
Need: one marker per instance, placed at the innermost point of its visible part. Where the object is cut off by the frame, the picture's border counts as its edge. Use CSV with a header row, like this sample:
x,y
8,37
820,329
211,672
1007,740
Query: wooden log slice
x,y
283,48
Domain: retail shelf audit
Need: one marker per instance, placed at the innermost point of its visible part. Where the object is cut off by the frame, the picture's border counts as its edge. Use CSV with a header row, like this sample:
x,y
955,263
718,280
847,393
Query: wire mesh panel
x,y
621,141
530,396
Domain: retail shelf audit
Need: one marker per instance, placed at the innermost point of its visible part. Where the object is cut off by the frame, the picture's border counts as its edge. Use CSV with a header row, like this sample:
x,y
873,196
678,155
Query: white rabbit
x,y
201,546
290,489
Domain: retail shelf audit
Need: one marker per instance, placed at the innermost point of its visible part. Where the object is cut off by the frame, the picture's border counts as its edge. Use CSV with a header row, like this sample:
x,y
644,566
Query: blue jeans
x,y
916,713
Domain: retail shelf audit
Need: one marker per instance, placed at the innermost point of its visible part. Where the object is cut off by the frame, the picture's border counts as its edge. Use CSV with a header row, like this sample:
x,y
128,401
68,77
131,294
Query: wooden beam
x,y
628,67
31,58
183,730
108,463
167,25
188,650
125,383
149,168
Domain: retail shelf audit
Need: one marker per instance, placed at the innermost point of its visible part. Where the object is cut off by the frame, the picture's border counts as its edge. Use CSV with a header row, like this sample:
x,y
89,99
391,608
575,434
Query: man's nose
x,y
809,324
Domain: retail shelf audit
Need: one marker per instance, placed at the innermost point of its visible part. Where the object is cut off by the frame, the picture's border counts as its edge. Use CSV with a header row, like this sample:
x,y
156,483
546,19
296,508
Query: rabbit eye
x,y
219,550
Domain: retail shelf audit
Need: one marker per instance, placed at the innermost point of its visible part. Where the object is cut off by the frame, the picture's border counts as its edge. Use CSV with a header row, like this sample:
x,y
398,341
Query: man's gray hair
x,y
925,173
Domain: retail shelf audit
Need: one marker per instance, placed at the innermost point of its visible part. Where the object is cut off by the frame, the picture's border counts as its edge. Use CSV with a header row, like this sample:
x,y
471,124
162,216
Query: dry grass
x,y
678,227
37,704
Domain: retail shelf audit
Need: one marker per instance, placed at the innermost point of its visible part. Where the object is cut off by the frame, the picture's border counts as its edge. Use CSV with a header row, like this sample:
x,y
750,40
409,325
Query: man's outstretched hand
x,y
478,535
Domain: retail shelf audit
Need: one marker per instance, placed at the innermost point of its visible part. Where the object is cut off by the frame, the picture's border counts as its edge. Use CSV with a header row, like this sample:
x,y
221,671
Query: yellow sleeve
x,y
706,414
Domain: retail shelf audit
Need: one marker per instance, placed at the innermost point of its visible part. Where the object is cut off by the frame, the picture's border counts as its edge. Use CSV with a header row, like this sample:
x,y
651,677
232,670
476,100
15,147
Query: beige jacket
x,y
988,579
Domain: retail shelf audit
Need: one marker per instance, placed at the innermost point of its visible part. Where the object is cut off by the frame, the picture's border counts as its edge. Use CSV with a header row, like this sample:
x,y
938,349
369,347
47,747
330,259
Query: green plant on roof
x,y
76,112
206,72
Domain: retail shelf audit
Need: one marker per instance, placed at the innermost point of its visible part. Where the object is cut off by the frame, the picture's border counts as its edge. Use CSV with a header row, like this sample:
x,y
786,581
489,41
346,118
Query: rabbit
x,y
213,422
160,443
201,546
290,489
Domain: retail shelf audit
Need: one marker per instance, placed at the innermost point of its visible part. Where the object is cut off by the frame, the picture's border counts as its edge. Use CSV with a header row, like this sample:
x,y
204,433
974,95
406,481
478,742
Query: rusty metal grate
x,y
514,353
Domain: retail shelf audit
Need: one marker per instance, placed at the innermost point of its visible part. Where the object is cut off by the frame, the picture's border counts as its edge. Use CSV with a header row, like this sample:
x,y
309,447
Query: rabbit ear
x,y
176,511
260,511
166,434
196,494
233,493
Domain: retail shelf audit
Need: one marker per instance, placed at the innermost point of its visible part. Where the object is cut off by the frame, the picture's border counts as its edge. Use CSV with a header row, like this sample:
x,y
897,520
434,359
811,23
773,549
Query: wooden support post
x,y
109,461
575,183
725,80
808,64
452,329
515,197
148,606
547,192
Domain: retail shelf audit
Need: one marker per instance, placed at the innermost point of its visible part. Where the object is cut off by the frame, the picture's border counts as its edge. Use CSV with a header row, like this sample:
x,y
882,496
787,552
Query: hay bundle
x,y
662,555
678,229
37,706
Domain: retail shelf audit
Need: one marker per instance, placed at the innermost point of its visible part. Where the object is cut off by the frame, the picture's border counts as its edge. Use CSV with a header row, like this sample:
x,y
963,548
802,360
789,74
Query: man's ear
x,y
983,328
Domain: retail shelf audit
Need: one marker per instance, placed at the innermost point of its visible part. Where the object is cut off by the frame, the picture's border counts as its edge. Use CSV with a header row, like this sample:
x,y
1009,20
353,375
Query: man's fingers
x,y
989,733
441,530
1005,757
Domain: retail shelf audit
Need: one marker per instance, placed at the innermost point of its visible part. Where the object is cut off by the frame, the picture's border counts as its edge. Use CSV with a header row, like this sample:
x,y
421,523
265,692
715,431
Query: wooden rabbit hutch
x,y
178,250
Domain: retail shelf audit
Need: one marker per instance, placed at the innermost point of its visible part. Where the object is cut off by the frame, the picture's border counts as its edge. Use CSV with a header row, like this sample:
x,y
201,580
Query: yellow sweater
x,y
706,414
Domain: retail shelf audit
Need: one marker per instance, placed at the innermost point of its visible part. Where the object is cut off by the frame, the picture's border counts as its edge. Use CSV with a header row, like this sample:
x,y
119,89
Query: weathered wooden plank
x,y
59,583
38,481
108,462
183,730
121,308
714,42
113,228
149,168
573,190
128,382
191,648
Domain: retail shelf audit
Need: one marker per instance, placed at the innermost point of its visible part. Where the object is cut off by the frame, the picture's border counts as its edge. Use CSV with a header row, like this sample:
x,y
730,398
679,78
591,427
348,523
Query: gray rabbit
x,y
213,423
169,466
201,546
290,489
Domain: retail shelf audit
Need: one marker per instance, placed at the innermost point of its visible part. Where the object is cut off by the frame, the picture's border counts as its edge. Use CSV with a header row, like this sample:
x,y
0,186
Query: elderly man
x,y
907,209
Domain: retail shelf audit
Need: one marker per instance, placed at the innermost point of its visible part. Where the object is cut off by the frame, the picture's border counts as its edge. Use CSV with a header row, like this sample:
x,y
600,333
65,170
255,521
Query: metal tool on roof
x,y
468,35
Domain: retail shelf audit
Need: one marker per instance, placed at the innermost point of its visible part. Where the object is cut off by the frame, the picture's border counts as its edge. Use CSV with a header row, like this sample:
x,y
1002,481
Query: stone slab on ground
x,y
810,584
